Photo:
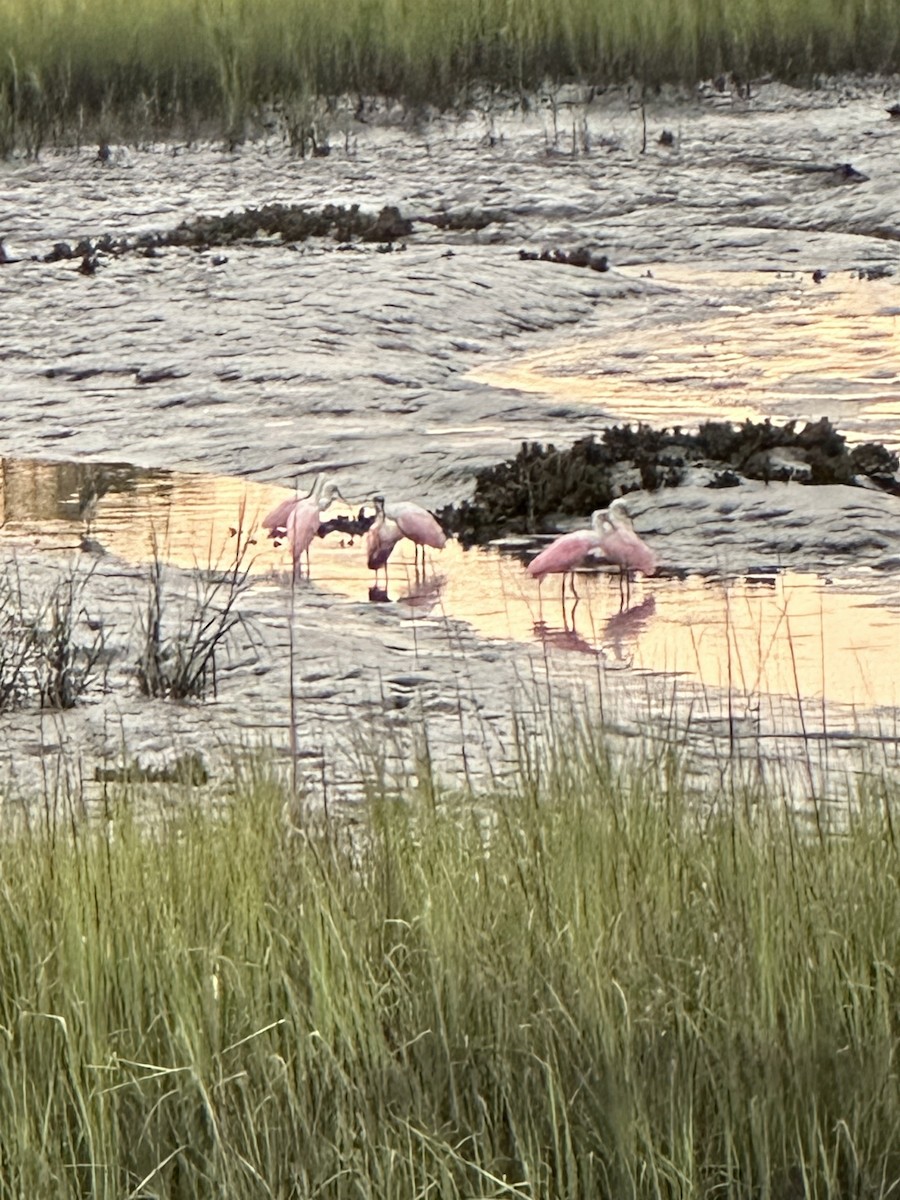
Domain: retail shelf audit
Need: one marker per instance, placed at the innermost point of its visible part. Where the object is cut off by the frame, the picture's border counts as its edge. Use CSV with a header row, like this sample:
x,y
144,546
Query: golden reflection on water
x,y
791,634
755,345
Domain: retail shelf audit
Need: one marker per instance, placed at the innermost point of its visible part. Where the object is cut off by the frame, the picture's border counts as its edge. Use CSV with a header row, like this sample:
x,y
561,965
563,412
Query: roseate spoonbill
x,y
381,538
569,551
612,535
276,521
621,544
303,520
402,519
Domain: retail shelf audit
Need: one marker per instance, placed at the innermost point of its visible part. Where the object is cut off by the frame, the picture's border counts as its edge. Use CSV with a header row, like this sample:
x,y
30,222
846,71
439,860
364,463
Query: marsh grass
x,y
97,68
71,651
182,642
584,986
18,636
51,650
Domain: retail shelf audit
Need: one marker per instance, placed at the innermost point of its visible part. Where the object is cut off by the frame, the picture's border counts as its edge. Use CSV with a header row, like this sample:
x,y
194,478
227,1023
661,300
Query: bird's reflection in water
x,y
616,639
563,639
422,592
624,628
567,637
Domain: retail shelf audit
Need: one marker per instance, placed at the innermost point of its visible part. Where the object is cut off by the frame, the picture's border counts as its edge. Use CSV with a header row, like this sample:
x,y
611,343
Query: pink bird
x,y
392,523
276,521
569,551
612,536
622,545
381,538
301,519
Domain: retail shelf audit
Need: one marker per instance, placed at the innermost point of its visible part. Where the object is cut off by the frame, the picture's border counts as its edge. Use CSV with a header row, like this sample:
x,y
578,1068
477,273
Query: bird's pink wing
x,y
302,526
627,549
380,541
277,519
419,526
565,553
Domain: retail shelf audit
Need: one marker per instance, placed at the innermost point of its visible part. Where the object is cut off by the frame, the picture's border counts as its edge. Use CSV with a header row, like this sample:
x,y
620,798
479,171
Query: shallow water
x,y
776,345
790,634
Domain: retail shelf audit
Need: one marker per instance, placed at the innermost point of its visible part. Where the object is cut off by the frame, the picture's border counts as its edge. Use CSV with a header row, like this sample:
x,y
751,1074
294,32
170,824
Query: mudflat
x,y
584,263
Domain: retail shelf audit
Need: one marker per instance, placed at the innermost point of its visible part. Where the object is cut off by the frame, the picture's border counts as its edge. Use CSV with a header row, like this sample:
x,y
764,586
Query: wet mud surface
x,y
749,276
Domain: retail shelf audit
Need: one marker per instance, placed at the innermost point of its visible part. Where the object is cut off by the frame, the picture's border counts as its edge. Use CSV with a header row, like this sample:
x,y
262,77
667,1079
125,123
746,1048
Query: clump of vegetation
x,y
17,640
289,222
543,483
181,642
581,256
292,223
587,986
101,69
49,653
70,648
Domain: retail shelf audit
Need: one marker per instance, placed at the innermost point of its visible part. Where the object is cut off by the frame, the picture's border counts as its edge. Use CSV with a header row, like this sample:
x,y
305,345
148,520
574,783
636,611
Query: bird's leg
x,y
569,618
541,597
